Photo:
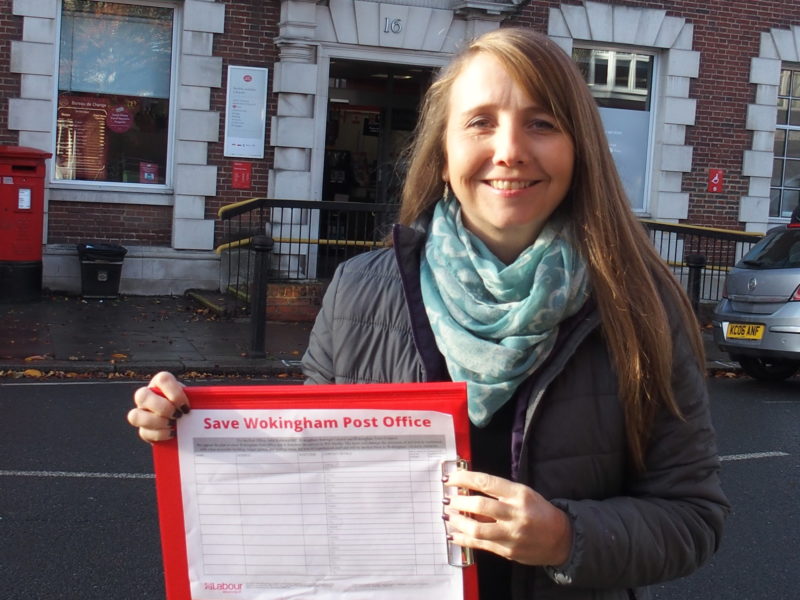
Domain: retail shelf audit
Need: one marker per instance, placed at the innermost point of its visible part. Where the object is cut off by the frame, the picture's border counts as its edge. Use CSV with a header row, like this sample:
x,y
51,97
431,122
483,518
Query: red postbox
x,y
22,174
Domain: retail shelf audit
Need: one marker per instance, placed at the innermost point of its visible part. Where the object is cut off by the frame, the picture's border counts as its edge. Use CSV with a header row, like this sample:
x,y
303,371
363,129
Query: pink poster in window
x,y
119,119
148,172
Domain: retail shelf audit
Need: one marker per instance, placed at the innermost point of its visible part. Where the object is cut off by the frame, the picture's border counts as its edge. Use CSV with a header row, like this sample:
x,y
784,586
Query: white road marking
x,y
752,455
726,364
76,474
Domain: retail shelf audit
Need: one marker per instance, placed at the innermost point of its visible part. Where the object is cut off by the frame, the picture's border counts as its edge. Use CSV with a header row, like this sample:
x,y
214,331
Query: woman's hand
x,y
508,519
156,411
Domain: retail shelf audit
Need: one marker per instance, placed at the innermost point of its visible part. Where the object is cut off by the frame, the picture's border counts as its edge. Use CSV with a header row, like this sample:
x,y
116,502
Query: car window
x,y
780,250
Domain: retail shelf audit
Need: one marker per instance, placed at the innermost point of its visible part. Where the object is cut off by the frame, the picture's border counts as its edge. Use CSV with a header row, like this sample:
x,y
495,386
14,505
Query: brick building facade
x,y
687,89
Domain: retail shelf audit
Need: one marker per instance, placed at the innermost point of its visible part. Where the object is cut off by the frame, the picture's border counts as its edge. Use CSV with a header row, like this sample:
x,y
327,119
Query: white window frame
x,y
612,61
167,186
671,39
777,48
652,109
794,68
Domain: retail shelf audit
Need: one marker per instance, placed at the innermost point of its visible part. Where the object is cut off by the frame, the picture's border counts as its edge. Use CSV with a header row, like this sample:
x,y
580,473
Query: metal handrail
x,y
720,249
725,234
237,208
312,235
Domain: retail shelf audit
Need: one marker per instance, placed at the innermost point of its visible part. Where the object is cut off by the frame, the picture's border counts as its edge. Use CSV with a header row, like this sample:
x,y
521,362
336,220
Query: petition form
x,y
316,503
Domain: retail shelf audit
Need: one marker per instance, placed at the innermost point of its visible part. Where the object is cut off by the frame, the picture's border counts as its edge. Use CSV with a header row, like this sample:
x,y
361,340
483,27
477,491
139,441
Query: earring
x,y
446,192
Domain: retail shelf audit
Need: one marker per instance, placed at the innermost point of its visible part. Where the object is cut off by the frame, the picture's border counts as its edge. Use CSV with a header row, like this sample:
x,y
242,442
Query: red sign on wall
x,y
715,180
241,175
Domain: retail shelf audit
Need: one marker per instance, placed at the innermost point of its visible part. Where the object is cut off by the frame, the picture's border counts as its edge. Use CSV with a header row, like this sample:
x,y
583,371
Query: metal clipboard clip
x,y
457,556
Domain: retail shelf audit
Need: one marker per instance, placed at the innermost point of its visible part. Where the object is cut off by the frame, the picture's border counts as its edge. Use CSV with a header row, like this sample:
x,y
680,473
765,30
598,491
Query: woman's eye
x,y
543,125
479,123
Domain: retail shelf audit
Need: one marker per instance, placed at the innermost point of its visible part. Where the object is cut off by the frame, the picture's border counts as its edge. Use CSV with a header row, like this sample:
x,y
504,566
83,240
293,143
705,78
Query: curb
x,y
279,369
273,368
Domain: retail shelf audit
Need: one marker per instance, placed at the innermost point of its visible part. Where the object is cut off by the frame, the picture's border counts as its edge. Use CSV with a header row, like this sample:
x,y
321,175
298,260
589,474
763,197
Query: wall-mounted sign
x,y
245,112
241,175
715,180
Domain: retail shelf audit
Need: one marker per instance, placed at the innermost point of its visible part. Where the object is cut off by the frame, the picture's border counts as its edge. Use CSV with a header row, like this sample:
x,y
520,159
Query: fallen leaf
x,y
726,374
119,355
34,357
32,373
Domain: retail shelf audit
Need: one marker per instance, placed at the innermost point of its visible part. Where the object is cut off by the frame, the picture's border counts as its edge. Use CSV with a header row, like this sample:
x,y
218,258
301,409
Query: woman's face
x,y
507,162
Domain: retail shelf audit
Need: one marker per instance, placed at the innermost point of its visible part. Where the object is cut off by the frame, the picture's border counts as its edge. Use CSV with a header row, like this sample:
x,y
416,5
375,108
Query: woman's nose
x,y
510,146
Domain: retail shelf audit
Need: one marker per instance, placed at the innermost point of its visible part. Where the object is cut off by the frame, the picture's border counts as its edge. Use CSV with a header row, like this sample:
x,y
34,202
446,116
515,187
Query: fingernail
x,y
445,517
445,478
445,500
185,409
177,414
172,422
172,433
449,538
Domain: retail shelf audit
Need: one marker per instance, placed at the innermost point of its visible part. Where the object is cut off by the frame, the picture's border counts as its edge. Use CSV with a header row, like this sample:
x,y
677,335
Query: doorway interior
x,y
372,110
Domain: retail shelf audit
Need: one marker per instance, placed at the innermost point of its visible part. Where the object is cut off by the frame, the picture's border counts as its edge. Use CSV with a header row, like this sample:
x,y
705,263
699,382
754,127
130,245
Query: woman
x,y
519,268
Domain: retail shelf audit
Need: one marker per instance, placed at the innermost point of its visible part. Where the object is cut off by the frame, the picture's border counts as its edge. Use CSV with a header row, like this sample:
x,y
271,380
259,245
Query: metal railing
x,y
700,257
310,238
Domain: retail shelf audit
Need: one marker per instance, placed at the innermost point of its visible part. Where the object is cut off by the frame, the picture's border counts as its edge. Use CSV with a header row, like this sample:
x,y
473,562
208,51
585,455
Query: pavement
x,y
140,335
137,336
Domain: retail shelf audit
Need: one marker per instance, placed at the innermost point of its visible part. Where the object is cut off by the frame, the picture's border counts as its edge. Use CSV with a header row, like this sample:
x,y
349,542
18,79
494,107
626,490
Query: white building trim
x,y
311,34
777,46
674,110
35,58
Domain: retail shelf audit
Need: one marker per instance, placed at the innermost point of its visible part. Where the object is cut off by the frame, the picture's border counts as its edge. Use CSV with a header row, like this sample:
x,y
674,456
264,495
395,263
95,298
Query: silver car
x,y
757,321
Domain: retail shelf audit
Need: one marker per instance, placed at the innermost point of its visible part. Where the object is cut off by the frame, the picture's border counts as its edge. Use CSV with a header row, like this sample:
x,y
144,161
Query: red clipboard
x,y
448,398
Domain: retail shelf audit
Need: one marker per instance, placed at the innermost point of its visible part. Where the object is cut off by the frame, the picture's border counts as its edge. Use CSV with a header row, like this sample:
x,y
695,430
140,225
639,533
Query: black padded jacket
x,y
630,529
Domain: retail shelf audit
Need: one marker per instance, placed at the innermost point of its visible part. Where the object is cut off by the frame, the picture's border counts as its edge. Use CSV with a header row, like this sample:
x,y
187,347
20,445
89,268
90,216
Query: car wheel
x,y
767,370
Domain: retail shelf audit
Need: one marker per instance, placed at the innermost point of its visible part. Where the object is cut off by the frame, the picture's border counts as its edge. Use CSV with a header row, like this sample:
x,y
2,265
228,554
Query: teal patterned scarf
x,y
496,323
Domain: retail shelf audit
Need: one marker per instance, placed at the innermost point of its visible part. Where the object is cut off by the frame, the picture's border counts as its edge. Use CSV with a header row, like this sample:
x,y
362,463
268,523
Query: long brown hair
x,y
628,277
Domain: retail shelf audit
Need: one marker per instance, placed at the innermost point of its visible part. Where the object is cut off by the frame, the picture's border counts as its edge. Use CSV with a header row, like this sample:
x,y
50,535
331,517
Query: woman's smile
x,y
505,184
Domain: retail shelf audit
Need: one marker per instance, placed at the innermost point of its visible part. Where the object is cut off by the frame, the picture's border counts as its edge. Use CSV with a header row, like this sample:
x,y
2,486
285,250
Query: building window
x,y
114,80
617,79
621,83
785,187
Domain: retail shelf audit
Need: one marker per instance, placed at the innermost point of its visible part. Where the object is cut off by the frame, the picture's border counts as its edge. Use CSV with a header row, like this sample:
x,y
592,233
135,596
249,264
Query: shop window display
x,y
114,80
